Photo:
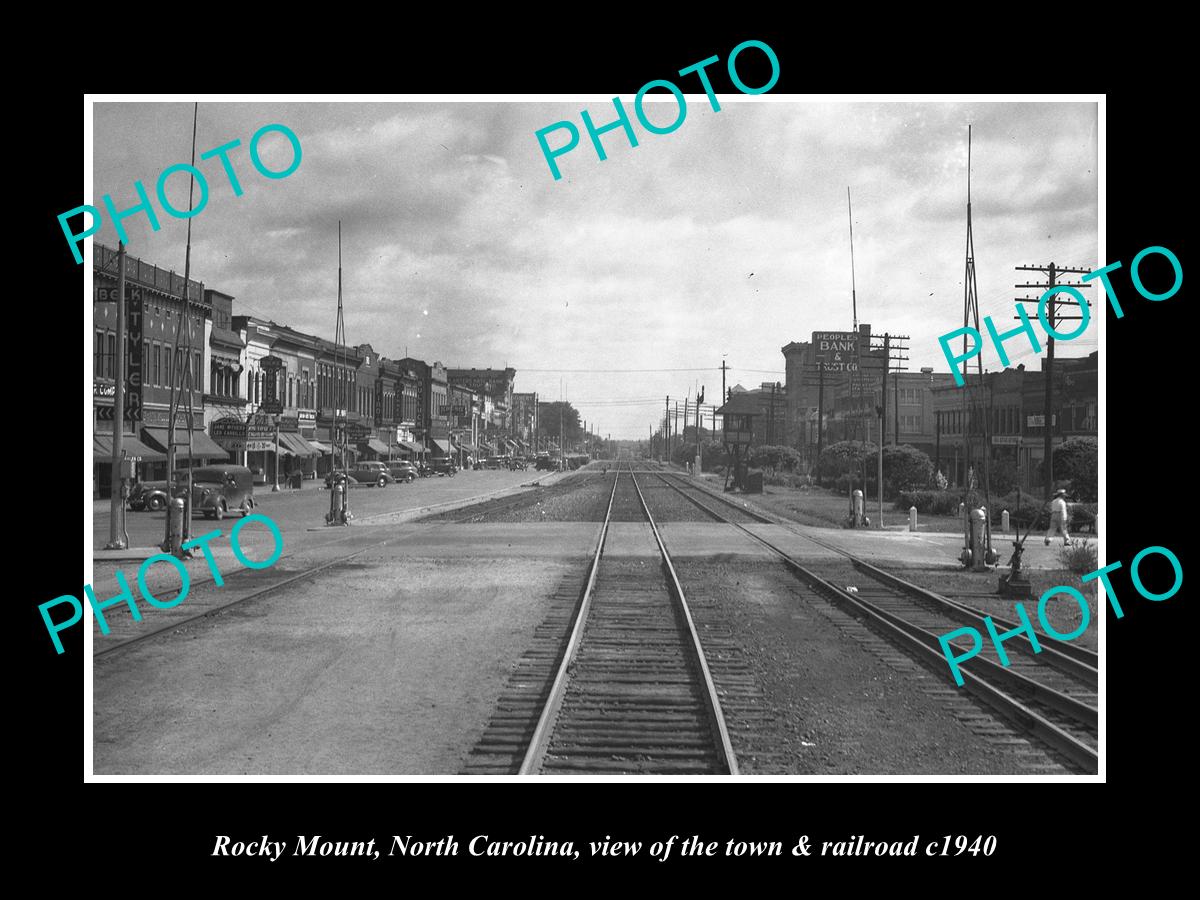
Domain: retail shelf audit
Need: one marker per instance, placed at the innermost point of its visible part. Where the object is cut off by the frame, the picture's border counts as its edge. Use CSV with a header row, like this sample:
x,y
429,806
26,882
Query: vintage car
x,y
443,465
148,495
403,471
372,473
219,489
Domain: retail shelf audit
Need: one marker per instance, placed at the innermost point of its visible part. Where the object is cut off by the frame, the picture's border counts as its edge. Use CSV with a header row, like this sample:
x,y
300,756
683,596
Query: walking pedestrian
x,y
1058,518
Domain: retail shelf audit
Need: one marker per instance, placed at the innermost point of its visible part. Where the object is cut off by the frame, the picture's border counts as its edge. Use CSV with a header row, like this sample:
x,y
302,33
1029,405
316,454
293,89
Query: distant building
x,y
1007,409
770,404
524,419
495,386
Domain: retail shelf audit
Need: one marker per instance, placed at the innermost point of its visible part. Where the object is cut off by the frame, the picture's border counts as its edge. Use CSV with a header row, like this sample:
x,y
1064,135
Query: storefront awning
x,y
411,446
467,448
298,445
102,448
319,447
203,447
444,446
377,446
486,448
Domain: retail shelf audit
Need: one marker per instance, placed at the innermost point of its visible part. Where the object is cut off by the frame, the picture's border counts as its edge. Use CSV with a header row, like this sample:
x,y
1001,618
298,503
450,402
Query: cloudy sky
x,y
724,239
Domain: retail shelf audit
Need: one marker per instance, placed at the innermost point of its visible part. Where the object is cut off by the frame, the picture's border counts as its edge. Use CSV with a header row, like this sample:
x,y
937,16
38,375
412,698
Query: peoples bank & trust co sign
x,y
836,351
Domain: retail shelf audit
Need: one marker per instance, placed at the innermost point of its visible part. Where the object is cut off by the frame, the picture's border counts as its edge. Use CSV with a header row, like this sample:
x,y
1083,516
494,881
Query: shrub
x,y
1080,557
905,468
844,483
845,457
934,503
775,457
940,481
1077,461
1004,477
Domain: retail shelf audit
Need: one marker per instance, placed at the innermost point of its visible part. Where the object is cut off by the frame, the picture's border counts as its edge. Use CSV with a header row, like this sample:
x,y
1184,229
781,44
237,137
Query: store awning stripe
x,y
102,448
203,447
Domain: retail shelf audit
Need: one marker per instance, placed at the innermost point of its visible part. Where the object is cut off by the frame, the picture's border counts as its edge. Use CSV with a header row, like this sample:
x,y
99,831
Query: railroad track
x,y
631,690
1051,696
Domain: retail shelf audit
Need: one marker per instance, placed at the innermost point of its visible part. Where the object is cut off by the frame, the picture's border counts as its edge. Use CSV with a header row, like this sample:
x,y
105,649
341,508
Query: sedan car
x,y
375,473
151,495
403,471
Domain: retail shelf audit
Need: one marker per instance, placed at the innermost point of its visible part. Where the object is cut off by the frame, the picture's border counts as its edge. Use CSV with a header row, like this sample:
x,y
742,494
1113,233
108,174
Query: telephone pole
x,y
116,521
666,429
892,349
1053,317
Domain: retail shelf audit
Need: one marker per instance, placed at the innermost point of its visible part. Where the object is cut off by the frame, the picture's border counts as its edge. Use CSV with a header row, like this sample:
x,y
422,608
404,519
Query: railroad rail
x,y
1051,695
633,692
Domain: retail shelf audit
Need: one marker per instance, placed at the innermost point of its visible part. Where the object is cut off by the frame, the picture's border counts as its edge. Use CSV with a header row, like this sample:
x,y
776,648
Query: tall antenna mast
x,y
971,320
182,374
853,291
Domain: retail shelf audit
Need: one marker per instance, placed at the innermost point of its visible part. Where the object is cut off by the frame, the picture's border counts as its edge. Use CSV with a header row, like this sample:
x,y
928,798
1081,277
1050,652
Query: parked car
x,y
546,462
339,472
493,462
443,466
219,489
148,495
404,471
373,472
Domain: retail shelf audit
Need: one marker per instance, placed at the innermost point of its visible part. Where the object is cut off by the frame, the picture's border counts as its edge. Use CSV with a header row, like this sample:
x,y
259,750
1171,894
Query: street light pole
x,y
275,418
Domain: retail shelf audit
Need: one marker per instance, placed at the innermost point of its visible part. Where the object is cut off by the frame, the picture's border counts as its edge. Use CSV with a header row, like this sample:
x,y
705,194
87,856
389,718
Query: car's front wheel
x,y
155,504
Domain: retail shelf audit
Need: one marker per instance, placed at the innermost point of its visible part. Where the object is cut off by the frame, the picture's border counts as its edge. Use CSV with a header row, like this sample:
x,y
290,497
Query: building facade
x,y
1006,410
166,354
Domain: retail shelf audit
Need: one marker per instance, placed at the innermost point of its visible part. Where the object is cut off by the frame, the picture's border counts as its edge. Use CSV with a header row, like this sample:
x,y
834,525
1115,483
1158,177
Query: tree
x,y
1077,461
548,421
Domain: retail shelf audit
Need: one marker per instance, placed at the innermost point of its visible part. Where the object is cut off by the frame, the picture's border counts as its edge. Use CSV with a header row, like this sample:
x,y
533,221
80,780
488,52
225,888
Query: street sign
x,y
837,351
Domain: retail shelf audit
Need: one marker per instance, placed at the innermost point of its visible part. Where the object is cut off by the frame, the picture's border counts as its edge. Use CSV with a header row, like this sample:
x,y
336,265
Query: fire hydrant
x,y
175,527
339,513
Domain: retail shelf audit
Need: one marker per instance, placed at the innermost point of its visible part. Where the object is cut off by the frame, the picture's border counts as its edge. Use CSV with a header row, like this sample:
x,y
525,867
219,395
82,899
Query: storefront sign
x,y
229,433
289,423
260,427
161,418
133,365
378,402
102,389
272,402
